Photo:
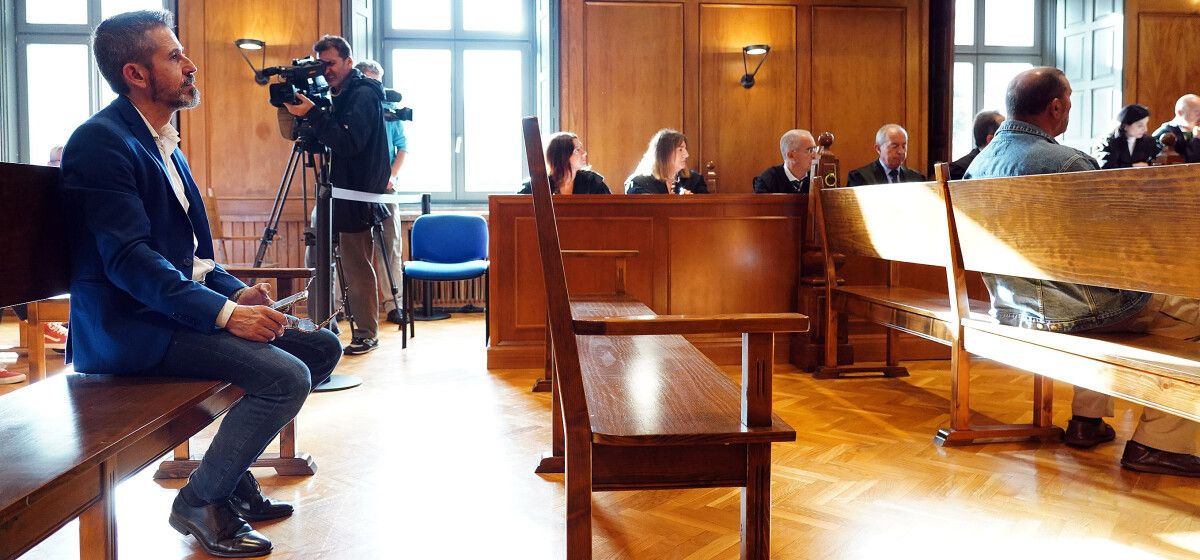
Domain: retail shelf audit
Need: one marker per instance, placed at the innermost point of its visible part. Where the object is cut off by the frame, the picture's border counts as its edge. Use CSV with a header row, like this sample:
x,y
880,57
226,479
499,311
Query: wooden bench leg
x,y
98,523
758,369
543,385
1043,401
553,462
961,432
288,462
579,500
37,344
756,503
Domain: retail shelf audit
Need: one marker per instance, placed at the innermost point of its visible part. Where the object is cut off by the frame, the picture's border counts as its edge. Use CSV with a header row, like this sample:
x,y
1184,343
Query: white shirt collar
x,y
788,172
165,136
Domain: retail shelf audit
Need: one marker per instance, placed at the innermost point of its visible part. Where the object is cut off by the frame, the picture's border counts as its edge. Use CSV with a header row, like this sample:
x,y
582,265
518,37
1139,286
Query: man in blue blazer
x,y
147,297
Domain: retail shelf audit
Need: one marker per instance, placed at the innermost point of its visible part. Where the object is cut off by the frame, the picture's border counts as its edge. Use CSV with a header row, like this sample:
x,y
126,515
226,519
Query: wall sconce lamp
x,y
244,45
753,50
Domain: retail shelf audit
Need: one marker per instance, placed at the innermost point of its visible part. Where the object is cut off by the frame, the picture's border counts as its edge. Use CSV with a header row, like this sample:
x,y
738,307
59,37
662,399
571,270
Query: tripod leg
x,y
337,258
271,228
387,267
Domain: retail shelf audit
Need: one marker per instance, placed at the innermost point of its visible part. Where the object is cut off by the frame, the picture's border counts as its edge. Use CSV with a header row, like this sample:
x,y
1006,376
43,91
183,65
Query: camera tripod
x,y
318,239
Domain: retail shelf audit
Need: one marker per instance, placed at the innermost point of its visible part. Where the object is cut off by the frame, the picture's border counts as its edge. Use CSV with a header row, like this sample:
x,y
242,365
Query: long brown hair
x,y
658,155
558,157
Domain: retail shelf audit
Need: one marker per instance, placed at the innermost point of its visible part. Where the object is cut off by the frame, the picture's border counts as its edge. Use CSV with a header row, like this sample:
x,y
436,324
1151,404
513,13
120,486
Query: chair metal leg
x,y
487,310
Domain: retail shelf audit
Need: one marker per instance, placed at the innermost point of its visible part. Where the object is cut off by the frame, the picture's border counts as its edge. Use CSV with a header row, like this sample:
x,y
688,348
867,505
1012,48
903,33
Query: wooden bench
x,y
908,222
642,408
67,441
1132,229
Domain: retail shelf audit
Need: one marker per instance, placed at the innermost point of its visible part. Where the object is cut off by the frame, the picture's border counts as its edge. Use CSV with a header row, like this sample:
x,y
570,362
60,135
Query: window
x,y
57,83
994,40
467,69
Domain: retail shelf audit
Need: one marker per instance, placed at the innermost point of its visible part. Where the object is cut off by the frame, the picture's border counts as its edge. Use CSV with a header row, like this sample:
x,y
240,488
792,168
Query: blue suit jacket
x,y
131,247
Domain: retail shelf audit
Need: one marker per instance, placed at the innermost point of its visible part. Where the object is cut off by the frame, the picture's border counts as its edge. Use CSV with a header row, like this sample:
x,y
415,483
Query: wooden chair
x,y
1130,229
909,222
642,408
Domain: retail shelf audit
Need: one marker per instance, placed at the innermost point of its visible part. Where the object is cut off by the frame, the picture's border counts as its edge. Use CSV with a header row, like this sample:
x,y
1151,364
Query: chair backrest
x,y
1133,229
34,262
449,238
903,222
567,376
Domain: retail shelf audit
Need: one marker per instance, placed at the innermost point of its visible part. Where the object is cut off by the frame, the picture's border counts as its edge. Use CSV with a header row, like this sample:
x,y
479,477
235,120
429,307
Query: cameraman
x,y
353,130
398,149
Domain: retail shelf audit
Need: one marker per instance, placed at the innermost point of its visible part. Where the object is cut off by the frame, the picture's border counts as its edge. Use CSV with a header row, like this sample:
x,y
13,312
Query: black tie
x,y
797,185
894,175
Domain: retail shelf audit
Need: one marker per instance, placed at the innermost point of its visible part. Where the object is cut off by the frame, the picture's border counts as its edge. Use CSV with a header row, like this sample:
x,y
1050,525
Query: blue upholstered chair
x,y
447,248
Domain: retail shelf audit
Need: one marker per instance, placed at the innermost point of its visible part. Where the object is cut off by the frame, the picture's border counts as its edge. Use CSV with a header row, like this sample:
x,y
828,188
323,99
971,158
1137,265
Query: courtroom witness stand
x,y
1039,106
984,129
1127,145
567,164
1184,126
891,143
149,300
665,160
797,147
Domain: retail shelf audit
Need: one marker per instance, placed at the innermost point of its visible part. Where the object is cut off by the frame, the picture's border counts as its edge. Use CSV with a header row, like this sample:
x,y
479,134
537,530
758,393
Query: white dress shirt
x,y
167,139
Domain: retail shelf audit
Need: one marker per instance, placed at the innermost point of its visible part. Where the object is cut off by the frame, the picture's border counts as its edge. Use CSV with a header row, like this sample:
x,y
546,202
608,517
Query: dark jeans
x,y
276,377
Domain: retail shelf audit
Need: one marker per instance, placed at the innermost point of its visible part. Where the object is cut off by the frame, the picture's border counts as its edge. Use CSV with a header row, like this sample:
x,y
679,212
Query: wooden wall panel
x,y
1168,68
736,120
632,81
232,139
857,85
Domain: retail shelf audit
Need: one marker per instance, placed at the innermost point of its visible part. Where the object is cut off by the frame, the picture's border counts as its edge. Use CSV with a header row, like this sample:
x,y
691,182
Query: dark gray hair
x,y
986,124
122,39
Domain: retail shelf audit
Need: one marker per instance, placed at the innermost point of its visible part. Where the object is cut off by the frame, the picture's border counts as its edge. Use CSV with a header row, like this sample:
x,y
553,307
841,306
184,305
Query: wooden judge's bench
x,y
696,254
702,254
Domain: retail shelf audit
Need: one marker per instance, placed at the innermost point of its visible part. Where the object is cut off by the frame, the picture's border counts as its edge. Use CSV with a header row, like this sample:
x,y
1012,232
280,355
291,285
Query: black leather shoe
x,y
219,530
247,501
1143,458
394,316
1087,434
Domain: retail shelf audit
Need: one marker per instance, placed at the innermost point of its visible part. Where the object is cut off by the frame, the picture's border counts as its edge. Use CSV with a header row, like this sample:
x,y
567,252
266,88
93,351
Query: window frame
x,y
456,40
979,54
15,37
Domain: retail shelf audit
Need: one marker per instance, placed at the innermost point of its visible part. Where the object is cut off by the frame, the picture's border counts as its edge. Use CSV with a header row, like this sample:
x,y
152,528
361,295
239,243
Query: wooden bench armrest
x,y
635,325
260,272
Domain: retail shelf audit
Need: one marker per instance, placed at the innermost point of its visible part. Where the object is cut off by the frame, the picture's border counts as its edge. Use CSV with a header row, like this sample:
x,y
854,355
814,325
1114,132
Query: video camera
x,y
392,111
306,75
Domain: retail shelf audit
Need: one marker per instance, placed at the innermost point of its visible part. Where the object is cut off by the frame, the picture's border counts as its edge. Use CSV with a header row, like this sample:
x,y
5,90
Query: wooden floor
x,y
432,458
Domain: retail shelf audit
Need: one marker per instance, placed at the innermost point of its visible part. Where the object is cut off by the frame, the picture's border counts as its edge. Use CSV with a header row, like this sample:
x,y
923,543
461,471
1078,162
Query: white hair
x,y
791,140
881,137
368,65
1182,103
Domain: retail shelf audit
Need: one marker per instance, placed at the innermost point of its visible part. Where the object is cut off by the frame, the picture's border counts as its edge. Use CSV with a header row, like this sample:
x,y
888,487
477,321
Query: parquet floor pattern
x,y
432,459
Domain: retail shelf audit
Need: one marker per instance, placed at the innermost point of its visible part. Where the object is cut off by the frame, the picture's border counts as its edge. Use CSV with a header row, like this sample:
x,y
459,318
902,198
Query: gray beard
x,y
175,99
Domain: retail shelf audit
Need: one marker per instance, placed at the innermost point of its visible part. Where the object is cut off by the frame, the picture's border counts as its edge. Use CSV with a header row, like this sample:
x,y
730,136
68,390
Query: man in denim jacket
x,y
1039,102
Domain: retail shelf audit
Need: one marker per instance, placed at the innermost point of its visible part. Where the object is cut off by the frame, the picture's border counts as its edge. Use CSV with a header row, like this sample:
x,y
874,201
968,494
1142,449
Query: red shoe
x,y
9,377
54,333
